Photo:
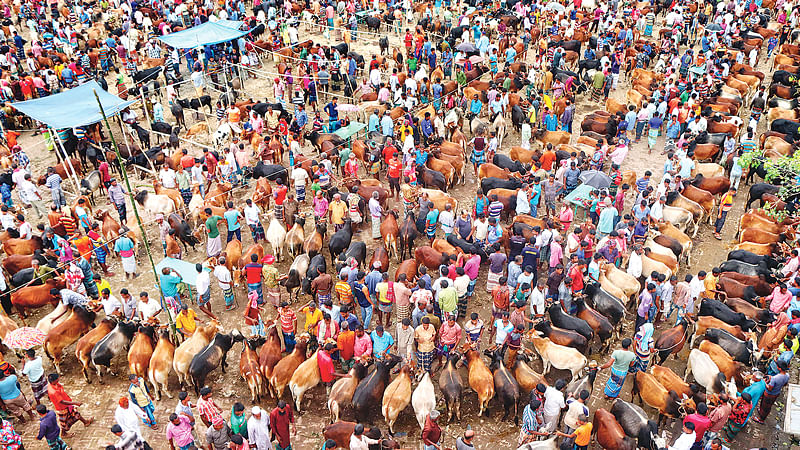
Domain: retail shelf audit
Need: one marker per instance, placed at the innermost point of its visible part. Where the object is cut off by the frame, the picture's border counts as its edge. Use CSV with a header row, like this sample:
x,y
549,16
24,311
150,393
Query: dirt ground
x,y
100,399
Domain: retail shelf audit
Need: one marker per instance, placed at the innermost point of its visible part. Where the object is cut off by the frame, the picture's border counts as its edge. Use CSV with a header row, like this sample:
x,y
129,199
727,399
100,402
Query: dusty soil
x,y
100,399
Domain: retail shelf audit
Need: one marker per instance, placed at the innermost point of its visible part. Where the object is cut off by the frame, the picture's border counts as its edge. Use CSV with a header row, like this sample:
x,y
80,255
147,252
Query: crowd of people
x,y
350,315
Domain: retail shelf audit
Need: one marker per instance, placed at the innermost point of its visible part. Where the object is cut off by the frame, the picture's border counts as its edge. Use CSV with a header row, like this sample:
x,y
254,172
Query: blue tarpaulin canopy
x,y
74,107
208,33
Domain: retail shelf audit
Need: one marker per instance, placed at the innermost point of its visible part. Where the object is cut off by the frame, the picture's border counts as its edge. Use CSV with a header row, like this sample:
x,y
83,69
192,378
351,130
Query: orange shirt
x,y
57,396
547,160
84,246
346,343
233,115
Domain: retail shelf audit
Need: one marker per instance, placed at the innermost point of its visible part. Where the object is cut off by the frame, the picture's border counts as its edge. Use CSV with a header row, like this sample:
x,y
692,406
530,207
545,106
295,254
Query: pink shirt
x,y
779,301
450,335
556,254
363,345
471,267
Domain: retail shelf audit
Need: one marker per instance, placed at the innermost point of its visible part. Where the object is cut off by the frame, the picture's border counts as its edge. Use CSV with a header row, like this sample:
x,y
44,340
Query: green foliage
x,y
783,171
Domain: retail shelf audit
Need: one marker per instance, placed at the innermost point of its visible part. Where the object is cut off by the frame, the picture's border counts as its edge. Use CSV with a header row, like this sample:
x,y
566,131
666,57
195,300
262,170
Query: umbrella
x,y
466,47
555,6
595,179
24,338
714,28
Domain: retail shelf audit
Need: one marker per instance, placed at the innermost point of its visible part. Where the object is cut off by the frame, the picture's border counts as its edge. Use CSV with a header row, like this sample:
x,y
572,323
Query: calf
x,y
215,354
480,378
64,334
451,385
285,368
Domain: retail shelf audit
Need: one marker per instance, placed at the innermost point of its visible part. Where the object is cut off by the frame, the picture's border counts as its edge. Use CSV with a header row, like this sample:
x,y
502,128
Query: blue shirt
x,y
606,223
169,284
510,55
475,106
372,279
420,157
387,126
374,120
231,216
380,343
427,128
9,389
332,110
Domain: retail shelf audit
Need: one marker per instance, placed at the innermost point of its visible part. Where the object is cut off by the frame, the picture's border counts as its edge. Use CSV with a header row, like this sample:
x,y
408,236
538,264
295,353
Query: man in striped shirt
x,y
53,182
725,205
343,290
288,321
642,183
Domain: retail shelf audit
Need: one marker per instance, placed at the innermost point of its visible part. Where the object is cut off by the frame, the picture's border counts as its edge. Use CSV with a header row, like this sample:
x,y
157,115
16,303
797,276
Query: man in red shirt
x,y
187,161
280,419
65,408
700,420
407,40
326,371
252,272
280,195
211,163
395,167
576,274
288,320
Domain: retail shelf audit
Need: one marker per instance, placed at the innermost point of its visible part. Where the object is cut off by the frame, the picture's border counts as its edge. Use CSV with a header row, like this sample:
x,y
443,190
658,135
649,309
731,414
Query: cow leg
x,y
688,369
85,371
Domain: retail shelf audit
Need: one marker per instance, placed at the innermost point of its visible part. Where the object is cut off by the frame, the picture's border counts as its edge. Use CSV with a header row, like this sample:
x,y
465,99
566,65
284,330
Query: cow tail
x,y
46,351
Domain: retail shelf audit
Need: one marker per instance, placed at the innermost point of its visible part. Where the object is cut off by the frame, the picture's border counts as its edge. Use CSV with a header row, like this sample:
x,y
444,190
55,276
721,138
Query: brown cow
x,y
16,246
702,198
249,370
609,432
732,369
407,267
759,283
429,257
161,364
66,333
758,249
522,155
714,185
649,390
486,170
217,194
753,220
481,379
703,323
284,369
141,351
670,380
443,167
270,352
83,349
389,231
31,297
759,236
552,137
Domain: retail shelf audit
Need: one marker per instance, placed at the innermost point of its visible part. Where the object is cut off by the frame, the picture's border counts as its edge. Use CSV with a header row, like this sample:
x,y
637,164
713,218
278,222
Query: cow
x,y
560,336
423,399
340,433
609,433
637,424
704,323
64,334
598,322
561,319
451,385
342,391
113,344
650,391
705,372
284,369
141,351
722,312
558,356
161,364
743,351
215,354
86,343
185,352
480,377
505,386
31,297
305,377
370,390
671,341
397,396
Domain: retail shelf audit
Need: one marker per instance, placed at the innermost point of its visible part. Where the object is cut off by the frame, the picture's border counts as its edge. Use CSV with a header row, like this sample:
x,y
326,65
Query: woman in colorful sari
x,y
755,391
737,419
621,361
643,348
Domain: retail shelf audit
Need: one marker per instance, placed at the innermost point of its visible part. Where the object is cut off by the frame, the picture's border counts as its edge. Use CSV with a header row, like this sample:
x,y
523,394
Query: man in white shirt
x,y
523,204
203,285
300,177
447,220
7,220
258,434
167,177
553,404
29,195
686,440
147,307
110,303
635,262
537,299
127,416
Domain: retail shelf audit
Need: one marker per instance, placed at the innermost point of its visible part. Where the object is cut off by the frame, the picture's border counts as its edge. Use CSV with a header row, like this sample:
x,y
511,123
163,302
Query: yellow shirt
x,y
710,284
583,434
103,284
312,318
186,321
425,338
338,210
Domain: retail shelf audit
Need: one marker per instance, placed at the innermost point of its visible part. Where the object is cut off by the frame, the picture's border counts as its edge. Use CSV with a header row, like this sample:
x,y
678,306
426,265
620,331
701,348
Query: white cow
x,y
705,371
276,235
559,356
423,399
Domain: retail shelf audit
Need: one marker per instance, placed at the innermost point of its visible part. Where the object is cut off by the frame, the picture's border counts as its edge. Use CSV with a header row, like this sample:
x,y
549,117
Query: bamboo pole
x,y
138,218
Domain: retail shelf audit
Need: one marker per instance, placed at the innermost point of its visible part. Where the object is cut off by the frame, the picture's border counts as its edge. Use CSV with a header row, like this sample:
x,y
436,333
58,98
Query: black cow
x,y
489,183
341,240
177,112
722,312
373,23
786,126
758,190
211,357
752,258
431,178
739,350
468,247
744,268
504,162
271,171
146,75
161,127
563,320
114,343
637,424
182,230
517,117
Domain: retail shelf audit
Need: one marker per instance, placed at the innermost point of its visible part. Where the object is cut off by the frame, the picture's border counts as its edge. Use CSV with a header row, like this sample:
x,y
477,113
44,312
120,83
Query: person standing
x,y
179,432
203,285
281,419
13,400
725,205
621,360
258,430
431,432
425,335
218,435
225,282
127,251
65,407
252,217
253,275
35,373
116,194
140,396
775,385
53,182
208,409
553,404
48,429
214,244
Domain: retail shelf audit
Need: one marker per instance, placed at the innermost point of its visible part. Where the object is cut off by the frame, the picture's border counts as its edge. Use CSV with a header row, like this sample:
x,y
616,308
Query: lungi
x,y
444,350
425,360
767,400
57,444
39,388
492,280
67,418
301,192
129,264
186,194
376,228
18,406
322,298
403,312
471,287
652,135
257,288
430,230
648,30
597,94
462,305
274,296
279,211
228,294
615,382
258,232
214,246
